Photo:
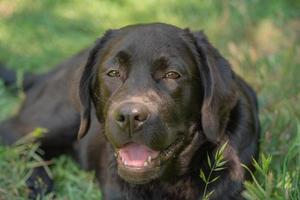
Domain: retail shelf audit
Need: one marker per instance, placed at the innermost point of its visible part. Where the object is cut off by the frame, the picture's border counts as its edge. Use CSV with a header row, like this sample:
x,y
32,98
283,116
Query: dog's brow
x,y
123,57
161,63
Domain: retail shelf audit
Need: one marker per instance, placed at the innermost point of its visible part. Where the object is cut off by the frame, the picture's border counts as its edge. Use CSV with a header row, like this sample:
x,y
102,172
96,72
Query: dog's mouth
x,y
137,156
137,163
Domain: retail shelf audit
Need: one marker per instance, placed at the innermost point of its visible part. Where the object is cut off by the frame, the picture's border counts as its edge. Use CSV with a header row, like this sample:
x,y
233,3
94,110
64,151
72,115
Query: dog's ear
x,y
220,92
85,84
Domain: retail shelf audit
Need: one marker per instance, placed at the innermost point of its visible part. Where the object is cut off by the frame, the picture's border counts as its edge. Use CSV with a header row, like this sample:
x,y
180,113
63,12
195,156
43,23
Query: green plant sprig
x,y
217,165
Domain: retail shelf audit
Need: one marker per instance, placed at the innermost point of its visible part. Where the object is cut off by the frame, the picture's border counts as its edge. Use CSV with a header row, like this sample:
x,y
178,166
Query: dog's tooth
x,y
125,162
149,159
145,164
115,154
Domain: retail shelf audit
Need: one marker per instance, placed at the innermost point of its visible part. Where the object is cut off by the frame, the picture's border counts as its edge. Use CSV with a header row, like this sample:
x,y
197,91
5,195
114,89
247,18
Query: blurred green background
x,y
259,38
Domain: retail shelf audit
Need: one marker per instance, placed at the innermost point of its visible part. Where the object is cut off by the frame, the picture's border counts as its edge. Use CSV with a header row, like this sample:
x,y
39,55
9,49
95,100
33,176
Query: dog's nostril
x,y
120,118
140,118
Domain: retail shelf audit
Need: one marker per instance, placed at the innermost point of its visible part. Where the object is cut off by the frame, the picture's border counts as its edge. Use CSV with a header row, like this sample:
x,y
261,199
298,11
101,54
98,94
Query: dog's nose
x,y
131,115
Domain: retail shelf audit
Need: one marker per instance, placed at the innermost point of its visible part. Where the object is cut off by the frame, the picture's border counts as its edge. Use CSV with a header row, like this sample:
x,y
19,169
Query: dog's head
x,y
157,89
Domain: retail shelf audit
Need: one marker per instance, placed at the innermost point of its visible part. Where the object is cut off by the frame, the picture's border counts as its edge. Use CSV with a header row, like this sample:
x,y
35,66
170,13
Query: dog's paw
x,y
39,183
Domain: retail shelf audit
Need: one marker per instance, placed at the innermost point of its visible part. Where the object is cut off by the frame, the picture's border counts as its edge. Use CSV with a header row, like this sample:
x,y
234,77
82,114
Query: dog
x,y
144,108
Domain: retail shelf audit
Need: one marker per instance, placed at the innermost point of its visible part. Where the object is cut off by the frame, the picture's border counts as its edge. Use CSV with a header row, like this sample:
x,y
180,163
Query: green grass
x,y
260,38
17,163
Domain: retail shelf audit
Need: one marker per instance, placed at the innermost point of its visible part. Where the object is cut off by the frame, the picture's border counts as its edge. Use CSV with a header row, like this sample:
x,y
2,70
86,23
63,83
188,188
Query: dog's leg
x,y
49,104
9,78
46,106
39,183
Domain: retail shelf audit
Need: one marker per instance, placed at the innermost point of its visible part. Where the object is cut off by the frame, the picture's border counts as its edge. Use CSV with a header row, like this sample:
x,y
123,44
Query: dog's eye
x,y
172,75
113,73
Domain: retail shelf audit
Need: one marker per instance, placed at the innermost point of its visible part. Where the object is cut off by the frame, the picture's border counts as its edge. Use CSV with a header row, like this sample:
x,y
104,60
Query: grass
x,y
17,163
259,38
217,165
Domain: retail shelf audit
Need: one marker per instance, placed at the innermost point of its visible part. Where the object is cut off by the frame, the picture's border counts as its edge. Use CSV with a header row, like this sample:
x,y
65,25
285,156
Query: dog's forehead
x,y
150,31
150,39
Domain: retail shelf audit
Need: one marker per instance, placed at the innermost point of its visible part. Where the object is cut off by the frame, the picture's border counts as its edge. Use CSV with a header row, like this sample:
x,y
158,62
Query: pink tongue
x,y
136,155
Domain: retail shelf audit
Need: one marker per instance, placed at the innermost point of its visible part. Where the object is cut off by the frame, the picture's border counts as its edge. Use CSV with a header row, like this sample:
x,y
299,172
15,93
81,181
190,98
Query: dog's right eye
x,y
113,73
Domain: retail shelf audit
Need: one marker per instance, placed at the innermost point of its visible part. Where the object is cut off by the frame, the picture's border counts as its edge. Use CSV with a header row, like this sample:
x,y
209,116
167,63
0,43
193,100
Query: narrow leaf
x,y
223,147
202,176
219,169
208,161
208,195
221,163
214,179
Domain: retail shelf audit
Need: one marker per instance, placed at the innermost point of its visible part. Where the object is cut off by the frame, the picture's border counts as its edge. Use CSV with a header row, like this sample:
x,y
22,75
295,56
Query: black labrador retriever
x,y
153,101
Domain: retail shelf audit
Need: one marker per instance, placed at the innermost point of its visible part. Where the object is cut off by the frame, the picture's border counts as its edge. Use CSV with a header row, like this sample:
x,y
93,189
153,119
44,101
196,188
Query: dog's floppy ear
x,y
85,83
220,94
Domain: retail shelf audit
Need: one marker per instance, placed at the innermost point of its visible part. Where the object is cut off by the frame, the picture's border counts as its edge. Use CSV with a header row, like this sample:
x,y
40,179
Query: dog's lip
x,y
155,160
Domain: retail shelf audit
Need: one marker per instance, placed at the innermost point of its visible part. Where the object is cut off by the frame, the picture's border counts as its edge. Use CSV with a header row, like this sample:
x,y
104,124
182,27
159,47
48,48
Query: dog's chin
x,y
139,175
138,164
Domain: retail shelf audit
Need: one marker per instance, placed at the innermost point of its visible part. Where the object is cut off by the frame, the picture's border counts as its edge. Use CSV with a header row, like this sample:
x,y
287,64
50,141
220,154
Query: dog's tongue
x,y
136,155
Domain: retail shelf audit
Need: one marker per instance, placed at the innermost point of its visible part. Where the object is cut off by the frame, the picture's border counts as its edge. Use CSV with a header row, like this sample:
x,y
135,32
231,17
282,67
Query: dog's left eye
x,y
113,73
172,75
